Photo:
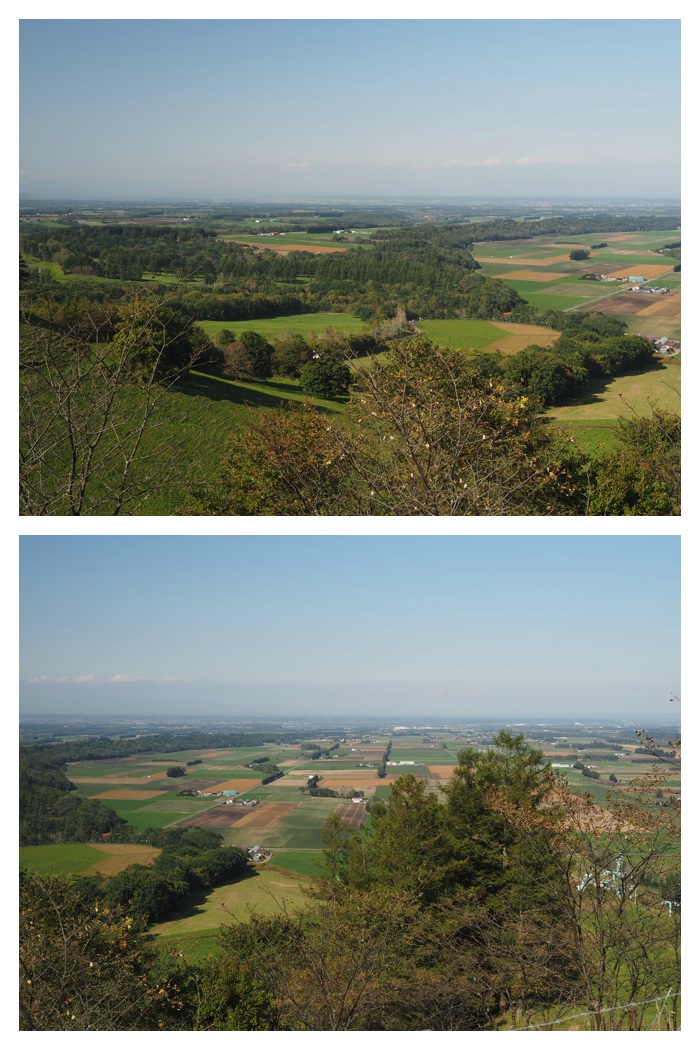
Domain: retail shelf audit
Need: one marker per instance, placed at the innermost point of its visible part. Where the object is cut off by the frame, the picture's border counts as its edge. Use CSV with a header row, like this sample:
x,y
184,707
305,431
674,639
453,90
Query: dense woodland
x,y
460,913
427,269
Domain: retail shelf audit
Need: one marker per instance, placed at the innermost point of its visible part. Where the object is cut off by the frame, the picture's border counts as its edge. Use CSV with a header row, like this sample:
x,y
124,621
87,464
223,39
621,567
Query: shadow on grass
x,y
197,900
197,384
596,389
216,388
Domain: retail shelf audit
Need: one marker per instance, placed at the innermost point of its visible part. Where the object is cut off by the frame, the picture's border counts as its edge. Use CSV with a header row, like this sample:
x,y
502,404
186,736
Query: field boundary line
x,y
593,1013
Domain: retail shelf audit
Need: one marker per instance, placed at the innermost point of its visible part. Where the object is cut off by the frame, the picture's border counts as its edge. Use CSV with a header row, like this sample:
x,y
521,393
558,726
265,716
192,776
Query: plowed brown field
x,y
352,814
666,306
648,269
266,814
532,275
626,303
120,856
441,771
240,784
520,336
218,817
117,779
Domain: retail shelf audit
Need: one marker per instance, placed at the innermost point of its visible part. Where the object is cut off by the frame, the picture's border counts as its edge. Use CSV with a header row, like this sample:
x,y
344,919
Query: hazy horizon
x,y
300,108
396,626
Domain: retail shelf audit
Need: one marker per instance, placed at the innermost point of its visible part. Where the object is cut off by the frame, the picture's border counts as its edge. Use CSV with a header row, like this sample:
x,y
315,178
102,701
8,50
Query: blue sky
x,y
297,108
454,626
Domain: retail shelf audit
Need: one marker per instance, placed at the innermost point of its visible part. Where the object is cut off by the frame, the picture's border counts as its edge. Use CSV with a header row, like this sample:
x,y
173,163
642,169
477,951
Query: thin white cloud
x,y
91,679
96,175
431,165
491,163
45,679
544,160
302,165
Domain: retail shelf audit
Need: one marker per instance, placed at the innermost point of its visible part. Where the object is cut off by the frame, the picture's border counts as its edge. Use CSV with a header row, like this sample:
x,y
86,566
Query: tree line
x,y
512,229
429,269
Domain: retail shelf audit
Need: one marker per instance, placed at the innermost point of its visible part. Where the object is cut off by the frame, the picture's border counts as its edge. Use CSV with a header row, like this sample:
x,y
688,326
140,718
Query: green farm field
x,y
135,767
498,259
297,324
68,858
654,326
298,862
157,813
416,754
504,337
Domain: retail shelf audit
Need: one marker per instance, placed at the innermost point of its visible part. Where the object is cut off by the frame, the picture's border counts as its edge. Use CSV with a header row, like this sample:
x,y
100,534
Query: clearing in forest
x,y
265,892
605,400
125,794
283,248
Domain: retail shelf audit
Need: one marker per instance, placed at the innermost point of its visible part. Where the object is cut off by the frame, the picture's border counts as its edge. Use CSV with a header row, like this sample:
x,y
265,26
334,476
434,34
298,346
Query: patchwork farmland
x,y
285,822
279,816
547,278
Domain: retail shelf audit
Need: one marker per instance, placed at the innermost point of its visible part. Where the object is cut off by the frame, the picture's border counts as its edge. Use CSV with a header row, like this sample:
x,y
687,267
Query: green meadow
x,y
290,324
69,858
298,862
474,334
